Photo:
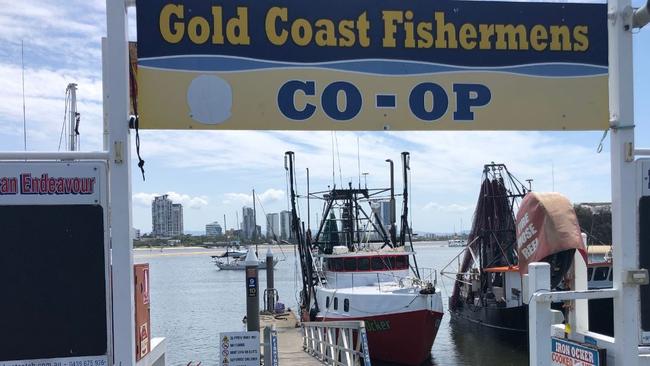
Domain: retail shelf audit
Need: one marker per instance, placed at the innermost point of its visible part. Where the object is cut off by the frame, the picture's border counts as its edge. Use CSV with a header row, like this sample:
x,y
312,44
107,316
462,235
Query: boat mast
x,y
303,246
405,228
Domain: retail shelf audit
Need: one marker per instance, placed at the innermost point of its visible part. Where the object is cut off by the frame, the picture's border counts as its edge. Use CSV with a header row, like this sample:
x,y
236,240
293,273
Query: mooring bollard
x,y
252,293
270,286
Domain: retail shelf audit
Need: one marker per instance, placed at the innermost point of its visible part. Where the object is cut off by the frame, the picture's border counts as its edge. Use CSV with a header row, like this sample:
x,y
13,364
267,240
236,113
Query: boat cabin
x,y
362,268
504,287
367,263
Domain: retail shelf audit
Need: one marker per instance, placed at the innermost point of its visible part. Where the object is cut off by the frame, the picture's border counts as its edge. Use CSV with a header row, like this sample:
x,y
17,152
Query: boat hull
x,y
513,319
400,338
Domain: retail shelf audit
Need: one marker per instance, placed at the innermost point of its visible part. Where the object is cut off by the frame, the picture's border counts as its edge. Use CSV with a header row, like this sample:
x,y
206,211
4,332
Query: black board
x,y
52,282
644,258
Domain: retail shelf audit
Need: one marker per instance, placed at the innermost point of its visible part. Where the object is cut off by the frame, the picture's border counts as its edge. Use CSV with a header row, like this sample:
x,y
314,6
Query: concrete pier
x,y
290,350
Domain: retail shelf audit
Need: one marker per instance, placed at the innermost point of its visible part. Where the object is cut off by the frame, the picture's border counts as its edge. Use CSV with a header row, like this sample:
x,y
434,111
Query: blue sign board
x,y
567,352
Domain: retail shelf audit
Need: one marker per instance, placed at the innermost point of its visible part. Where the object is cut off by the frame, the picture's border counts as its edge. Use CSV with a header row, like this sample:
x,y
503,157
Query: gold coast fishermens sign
x,y
175,25
340,64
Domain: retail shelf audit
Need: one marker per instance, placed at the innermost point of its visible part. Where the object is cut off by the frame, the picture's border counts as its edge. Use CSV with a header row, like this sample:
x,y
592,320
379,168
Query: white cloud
x,y
269,196
194,202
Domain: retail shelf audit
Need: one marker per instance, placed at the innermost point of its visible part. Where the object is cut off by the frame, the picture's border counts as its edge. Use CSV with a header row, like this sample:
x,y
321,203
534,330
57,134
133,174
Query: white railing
x,y
343,343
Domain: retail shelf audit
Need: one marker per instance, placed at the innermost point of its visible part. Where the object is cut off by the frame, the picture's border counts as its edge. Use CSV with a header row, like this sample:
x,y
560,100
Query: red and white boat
x,y
357,268
402,312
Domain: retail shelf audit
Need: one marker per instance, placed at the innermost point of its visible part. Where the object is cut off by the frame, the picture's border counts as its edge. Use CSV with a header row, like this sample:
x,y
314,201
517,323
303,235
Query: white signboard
x,y
240,348
50,183
67,361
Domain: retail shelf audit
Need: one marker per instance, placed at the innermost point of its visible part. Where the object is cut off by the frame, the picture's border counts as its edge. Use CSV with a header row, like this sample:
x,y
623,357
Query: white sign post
x,y
240,348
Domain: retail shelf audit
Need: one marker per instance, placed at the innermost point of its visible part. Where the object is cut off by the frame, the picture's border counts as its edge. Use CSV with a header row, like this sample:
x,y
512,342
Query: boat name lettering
x,y
377,325
46,185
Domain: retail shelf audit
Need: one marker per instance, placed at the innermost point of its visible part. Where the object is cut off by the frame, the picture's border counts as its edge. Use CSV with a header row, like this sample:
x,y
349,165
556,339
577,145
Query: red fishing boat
x,y
356,267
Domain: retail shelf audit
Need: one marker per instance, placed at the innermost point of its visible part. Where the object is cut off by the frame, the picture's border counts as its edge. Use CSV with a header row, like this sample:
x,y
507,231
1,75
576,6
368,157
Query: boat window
x,y
350,264
378,264
590,271
327,302
363,264
601,273
401,262
611,274
346,305
390,262
336,303
338,264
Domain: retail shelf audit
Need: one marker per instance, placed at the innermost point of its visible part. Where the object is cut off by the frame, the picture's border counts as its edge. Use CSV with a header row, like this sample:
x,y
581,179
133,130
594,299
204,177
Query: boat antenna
x,y
333,174
553,174
358,162
338,154
22,60
308,209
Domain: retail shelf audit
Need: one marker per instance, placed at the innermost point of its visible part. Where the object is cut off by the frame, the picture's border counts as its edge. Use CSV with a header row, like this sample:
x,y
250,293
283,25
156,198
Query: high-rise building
x,y
384,214
248,223
285,225
380,216
177,219
161,216
213,229
273,226
166,217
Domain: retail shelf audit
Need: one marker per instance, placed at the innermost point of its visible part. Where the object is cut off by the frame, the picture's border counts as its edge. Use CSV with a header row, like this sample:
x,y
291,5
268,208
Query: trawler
x,y
357,268
488,284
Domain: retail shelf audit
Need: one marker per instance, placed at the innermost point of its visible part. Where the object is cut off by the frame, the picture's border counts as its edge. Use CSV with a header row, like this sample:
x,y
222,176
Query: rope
x,y
135,119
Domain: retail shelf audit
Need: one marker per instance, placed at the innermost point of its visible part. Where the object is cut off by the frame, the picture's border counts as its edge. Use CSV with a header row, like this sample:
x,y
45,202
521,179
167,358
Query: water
x,y
192,301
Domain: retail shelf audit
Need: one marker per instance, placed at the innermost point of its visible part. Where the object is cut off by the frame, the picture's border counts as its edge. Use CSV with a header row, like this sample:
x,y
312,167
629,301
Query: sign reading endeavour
x,y
569,353
359,65
240,348
49,183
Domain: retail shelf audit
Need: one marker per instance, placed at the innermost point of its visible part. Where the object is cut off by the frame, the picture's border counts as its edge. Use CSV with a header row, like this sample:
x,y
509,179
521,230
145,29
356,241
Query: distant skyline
x,y
212,173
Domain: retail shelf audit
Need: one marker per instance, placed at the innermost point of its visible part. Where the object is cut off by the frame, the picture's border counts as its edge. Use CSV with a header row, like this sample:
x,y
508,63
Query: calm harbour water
x,y
192,301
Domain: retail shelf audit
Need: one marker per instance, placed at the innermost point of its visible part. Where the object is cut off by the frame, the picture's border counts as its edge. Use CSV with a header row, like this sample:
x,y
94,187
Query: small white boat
x,y
457,243
240,264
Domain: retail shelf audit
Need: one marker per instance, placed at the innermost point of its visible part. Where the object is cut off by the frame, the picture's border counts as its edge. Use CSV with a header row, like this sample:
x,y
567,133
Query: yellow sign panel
x,y
341,65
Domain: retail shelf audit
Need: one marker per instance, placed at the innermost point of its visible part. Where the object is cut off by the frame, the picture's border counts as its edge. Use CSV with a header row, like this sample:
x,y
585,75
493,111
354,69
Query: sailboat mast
x,y
72,143
254,236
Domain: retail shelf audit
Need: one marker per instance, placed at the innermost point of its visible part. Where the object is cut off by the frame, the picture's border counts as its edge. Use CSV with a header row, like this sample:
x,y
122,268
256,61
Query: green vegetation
x,y
597,225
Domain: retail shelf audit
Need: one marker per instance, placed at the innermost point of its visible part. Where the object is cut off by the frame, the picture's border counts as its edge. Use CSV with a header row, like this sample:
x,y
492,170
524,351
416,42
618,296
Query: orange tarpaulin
x,y
546,225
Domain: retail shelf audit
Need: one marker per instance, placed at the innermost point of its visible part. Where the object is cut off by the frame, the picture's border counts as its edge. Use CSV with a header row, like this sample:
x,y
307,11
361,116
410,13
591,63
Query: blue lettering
x,y
469,96
440,101
353,101
287,103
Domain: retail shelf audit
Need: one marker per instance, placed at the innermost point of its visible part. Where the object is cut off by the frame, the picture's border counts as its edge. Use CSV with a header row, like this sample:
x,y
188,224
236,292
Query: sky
x,y
212,173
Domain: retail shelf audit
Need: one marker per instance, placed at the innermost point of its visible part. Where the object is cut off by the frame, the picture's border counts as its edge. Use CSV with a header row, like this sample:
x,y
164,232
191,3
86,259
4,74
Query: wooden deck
x,y
289,340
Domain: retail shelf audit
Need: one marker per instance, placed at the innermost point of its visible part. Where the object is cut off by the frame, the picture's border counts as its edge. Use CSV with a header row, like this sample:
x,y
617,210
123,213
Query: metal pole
x,y
393,233
539,315
252,292
270,285
624,220
117,71
308,211
72,144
